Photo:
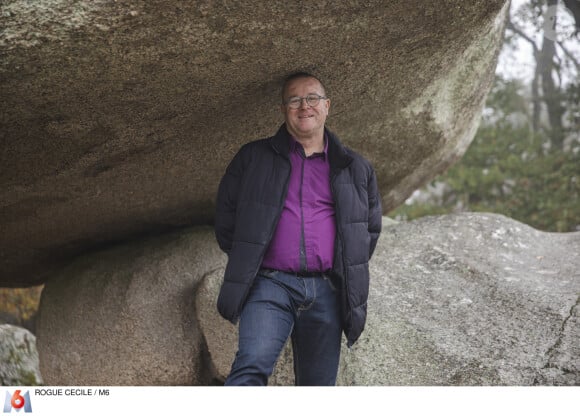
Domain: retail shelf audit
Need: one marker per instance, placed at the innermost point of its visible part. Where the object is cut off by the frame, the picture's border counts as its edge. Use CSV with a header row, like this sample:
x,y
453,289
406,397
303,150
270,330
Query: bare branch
x,y
520,33
570,56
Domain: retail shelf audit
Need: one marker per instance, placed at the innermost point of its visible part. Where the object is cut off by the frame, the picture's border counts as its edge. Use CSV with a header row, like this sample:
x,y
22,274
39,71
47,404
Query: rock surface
x,y
474,299
471,299
118,118
125,316
18,357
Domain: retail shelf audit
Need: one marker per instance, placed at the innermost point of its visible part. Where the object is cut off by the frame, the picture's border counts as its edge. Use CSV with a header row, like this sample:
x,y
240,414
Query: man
x,y
299,216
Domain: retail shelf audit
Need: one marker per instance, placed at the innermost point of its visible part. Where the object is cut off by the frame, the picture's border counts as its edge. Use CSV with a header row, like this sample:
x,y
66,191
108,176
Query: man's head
x,y
304,105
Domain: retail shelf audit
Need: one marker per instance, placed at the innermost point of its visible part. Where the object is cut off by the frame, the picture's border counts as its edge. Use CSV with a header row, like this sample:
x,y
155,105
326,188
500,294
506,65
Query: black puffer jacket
x,y
250,199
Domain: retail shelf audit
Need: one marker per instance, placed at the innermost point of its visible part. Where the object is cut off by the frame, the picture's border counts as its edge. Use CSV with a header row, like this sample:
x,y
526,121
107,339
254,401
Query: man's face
x,y
306,121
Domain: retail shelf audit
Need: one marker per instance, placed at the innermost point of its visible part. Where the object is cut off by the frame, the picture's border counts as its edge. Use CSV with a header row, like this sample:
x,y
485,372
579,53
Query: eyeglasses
x,y
311,99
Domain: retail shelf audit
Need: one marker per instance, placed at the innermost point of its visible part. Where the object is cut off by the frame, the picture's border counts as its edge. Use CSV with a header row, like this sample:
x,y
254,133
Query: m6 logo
x,y
17,402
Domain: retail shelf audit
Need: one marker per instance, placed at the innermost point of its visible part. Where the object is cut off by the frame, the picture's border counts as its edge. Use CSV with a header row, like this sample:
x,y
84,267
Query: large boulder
x,y
471,299
119,117
18,357
125,316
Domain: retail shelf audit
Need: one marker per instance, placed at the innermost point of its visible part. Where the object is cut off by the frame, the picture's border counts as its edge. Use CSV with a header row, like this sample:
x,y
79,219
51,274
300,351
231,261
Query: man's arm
x,y
375,211
227,201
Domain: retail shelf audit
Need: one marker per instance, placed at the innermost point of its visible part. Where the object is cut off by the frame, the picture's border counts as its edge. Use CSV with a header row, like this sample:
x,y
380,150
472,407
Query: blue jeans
x,y
280,305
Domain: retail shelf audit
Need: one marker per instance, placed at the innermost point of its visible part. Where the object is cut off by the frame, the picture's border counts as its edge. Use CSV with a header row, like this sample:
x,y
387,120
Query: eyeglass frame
x,y
318,97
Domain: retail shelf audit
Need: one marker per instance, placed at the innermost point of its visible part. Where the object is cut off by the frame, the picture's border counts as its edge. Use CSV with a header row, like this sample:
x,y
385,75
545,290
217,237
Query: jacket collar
x,y
338,156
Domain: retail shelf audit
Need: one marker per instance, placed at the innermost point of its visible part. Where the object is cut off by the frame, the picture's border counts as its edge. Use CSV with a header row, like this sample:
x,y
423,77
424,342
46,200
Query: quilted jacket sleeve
x,y
227,200
375,211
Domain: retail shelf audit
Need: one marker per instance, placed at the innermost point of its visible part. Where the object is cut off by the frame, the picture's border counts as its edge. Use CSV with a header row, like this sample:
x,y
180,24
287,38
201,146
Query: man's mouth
x,y
306,116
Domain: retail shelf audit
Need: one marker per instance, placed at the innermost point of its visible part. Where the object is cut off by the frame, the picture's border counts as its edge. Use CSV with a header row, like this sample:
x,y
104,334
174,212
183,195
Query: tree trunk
x,y
536,107
574,7
551,94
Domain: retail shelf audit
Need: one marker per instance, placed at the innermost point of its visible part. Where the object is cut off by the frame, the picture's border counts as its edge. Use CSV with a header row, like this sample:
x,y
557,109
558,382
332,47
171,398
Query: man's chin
x,y
305,130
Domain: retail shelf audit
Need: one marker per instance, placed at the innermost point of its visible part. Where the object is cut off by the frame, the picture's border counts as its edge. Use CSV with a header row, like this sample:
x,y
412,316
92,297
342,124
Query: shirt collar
x,y
295,146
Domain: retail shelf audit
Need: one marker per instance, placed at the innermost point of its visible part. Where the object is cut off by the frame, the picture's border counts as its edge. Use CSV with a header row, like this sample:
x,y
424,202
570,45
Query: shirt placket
x,y
303,259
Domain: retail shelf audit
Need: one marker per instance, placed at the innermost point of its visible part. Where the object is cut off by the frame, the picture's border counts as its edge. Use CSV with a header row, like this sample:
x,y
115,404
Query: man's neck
x,y
312,144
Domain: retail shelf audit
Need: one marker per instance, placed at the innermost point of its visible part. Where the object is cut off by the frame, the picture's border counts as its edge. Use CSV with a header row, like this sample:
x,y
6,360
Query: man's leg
x,y
265,324
317,335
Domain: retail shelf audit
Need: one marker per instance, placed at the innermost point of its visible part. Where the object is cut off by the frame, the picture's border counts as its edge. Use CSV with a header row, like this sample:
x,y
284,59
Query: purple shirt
x,y
304,237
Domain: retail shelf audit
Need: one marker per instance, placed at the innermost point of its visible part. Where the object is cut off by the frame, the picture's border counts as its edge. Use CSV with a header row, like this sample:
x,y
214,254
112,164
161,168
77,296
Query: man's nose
x,y
304,103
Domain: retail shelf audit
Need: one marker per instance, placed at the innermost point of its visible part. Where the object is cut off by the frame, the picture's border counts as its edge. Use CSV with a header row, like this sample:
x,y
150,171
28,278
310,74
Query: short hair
x,y
299,75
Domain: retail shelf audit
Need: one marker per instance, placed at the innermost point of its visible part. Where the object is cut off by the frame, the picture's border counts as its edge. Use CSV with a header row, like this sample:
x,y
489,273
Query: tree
x,y
509,170
543,17
574,7
524,161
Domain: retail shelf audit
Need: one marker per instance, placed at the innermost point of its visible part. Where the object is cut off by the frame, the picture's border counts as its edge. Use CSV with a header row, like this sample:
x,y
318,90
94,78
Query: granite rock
x,y
119,118
126,316
18,357
465,299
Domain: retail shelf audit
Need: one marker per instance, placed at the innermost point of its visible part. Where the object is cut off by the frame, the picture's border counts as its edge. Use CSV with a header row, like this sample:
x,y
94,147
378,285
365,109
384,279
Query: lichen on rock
x,y
19,364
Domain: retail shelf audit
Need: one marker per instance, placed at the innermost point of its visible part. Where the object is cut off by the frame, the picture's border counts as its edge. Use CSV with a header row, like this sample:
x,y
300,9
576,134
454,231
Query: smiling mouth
x,y
306,116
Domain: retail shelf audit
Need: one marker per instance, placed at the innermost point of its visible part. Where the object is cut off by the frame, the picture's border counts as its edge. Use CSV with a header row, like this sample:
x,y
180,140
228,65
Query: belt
x,y
299,274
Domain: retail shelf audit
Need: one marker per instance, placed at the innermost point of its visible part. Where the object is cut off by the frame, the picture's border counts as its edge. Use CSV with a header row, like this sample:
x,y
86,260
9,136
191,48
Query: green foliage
x,y
21,303
510,170
571,98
